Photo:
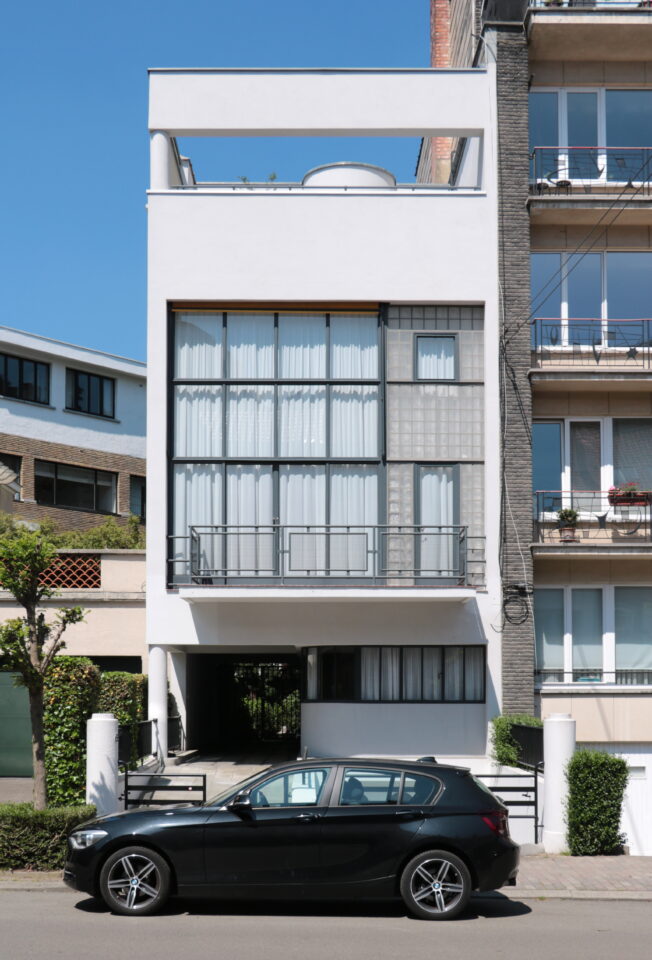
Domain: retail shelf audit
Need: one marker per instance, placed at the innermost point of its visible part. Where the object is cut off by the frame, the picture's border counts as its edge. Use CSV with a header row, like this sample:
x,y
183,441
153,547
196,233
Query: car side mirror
x,y
241,803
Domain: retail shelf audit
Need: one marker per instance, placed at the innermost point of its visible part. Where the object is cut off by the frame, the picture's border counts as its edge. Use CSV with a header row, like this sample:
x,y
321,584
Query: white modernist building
x,y
323,441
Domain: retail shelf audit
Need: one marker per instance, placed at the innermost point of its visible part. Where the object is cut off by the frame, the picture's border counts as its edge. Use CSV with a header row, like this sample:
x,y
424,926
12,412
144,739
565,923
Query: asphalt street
x,y
42,924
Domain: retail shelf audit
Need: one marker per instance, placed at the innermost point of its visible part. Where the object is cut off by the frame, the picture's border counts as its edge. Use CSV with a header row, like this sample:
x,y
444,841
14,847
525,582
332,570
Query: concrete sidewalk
x,y
540,877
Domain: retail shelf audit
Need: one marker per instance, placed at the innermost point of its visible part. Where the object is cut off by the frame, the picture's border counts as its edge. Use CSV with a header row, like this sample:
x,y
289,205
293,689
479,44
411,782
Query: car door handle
x,y
409,814
306,817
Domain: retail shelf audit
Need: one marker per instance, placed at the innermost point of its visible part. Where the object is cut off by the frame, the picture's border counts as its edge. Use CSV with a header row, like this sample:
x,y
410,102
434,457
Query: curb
x,y
528,893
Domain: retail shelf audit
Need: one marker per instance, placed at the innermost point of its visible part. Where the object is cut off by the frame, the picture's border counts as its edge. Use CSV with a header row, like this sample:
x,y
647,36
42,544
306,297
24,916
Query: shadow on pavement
x,y
488,906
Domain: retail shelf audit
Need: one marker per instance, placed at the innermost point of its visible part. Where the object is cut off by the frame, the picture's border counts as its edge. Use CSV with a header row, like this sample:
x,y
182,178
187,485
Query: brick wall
x,y
30,450
514,235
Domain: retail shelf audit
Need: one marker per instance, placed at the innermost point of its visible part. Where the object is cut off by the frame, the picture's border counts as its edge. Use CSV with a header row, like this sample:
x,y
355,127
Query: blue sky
x,y
74,162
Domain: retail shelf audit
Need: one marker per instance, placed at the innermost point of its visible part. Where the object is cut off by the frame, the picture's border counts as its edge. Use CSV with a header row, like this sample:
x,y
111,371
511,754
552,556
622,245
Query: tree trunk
x,y
38,749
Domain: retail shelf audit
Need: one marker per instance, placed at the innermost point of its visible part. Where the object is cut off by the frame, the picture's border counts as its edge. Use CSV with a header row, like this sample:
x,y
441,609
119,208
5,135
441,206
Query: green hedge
x,y
124,695
71,693
36,839
506,750
596,785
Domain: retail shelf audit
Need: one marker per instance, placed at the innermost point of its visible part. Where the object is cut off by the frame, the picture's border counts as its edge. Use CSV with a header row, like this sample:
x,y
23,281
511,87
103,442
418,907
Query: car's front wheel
x,y
436,885
135,881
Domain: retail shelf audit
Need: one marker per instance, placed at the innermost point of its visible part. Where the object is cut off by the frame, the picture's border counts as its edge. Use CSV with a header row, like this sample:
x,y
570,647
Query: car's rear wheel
x,y
436,885
135,881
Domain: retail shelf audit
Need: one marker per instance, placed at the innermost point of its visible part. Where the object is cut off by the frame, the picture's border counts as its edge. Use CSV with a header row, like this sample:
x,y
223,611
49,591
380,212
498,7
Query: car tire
x,y
135,881
436,885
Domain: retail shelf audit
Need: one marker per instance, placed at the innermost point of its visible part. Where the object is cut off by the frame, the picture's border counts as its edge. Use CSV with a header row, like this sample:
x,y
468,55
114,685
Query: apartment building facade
x,y
574,115
323,406
72,430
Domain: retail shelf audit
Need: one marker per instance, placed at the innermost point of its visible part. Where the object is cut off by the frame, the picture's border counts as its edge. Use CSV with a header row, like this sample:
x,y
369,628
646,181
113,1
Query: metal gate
x,y
520,794
267,697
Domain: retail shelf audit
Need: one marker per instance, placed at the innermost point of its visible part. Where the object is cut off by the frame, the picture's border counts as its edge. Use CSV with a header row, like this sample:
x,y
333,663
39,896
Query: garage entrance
x,y
244,703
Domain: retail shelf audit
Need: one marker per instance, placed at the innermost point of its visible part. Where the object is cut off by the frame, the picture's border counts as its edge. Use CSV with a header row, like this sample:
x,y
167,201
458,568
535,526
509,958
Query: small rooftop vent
x,y
347,174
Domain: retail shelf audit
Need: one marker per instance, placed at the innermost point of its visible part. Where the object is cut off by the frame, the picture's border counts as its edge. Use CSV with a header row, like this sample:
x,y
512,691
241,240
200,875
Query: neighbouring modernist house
x,y
324,421
72,450
574,130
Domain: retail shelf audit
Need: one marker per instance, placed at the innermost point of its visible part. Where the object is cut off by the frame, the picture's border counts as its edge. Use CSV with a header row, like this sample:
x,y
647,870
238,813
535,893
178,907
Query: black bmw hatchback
x,y
319,829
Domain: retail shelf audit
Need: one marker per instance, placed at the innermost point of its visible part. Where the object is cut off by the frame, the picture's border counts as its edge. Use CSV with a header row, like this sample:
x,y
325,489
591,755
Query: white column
x,y
157,695
159,161
558,748
102,762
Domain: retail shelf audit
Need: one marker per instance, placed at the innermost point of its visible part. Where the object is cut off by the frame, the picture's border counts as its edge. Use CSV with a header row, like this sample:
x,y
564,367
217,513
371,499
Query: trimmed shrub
x,y
596,785
505,747
36,839
122,695
71,693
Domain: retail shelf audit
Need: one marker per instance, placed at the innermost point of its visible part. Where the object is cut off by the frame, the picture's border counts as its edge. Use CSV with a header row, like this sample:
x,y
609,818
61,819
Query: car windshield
x,y
234,788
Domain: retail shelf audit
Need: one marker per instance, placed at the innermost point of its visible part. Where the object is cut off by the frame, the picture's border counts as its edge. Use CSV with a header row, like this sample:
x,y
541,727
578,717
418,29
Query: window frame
x,y
601,120
72,375
321,698
94,471
4,356
324,797
338,784
436,335
15,457
143,513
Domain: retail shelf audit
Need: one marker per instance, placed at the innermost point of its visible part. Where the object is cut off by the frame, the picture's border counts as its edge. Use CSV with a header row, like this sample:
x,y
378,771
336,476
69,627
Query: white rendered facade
x,y
385,266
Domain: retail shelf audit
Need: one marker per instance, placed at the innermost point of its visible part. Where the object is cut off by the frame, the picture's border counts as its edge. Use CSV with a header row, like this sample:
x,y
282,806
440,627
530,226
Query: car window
x,y
298,787
418,789
366,787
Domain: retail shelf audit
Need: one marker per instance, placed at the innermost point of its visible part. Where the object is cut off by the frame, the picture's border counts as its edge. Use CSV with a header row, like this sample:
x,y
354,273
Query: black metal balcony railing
x,y
602,517
600,344
574,5
619,677
334,554
573,171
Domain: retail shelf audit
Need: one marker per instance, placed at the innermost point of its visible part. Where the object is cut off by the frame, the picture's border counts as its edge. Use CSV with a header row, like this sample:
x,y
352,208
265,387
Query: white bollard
x,y
558,748
102,762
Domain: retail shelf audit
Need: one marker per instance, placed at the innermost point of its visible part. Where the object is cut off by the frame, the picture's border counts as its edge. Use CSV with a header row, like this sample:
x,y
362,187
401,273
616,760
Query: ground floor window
x,y
62,485
594,634
433,674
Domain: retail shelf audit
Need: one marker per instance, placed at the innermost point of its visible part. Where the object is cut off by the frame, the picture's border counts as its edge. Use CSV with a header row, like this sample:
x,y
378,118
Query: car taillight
x,y
497,821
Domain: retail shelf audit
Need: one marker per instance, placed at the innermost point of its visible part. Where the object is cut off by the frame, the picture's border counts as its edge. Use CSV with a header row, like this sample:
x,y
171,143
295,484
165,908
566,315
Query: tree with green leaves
x,y
29,644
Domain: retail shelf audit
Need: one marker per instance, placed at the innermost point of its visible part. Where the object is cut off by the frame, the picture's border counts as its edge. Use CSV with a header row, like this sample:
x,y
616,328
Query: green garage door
x,y
15,729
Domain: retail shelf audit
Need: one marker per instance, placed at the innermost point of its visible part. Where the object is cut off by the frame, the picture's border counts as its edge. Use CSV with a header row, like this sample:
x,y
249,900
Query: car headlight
x,y
86,838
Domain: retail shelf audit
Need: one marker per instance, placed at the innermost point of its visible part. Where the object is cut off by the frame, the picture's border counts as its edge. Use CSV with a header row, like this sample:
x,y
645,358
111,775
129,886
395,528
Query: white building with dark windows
x,y
323,441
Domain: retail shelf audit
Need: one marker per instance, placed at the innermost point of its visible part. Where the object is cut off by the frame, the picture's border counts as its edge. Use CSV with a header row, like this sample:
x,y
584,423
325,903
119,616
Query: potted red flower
x,y
629,495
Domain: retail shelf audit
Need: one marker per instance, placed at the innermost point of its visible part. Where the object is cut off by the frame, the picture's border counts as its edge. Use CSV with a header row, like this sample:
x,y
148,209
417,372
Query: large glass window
x,y
435,358
632,448
62,485
23,379
287,407
633,622
587,633
90,393
585,456
443,674
546,456
549,631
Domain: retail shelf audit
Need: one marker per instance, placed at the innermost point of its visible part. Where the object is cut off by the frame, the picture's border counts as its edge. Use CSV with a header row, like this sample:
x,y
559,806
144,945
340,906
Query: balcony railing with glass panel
x,y
596,171
604,518
599,344
332,555
622,678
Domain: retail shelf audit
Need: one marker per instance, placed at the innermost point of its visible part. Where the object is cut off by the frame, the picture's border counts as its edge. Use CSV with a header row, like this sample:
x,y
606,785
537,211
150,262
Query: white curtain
x,y
354,421
250,421
633,628
473,673
198,502
249,498
302,421
453,673
312,677
198,421
354,348
302,494
432,673
370,673
586,608
435,358
390,660
302,347
250,345
198,346
438,548
412,673
354,503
